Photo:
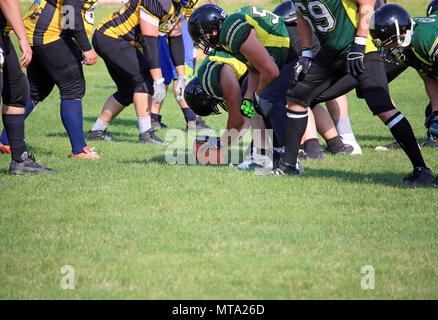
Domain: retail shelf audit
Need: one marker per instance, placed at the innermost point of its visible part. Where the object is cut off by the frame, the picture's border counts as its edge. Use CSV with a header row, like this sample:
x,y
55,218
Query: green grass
x,y
134,227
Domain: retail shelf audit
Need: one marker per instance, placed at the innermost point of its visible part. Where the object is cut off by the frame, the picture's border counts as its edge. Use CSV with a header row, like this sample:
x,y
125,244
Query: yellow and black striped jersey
x,y
46,20
125,22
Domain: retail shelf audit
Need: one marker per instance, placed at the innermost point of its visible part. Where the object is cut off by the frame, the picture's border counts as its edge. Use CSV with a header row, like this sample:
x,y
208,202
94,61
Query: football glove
x,y
159,90
355,56
247,109
207,150
180,87
302,66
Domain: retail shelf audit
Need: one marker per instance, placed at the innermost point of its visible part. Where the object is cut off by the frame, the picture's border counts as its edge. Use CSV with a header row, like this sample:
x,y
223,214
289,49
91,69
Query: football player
x,y
343,31
127,41
60,45
14,89
170,75
412,41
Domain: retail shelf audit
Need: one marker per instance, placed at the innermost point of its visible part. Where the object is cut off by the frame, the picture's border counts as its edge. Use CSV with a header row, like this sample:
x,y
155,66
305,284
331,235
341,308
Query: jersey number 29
x,y
322,18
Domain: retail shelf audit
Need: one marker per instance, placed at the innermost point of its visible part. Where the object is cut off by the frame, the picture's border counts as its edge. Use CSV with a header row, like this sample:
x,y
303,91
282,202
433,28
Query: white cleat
x,y
356,147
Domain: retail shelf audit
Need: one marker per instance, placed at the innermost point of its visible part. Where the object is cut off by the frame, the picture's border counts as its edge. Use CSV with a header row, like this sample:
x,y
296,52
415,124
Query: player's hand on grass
x,y
207,150
90,57
25,48
180,87
159,90
247,108
302,65
355,57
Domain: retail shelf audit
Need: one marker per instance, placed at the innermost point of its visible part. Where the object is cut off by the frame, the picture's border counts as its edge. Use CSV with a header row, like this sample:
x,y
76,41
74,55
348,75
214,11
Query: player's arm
x,y
232,95
431,86
305,32
176,47
149,26
78,32
356,54
11,10
258,56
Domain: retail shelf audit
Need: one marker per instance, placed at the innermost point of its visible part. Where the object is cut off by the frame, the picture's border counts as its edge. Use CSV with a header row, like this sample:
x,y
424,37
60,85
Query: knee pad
x,y
17,95
124,98
378,101
72,90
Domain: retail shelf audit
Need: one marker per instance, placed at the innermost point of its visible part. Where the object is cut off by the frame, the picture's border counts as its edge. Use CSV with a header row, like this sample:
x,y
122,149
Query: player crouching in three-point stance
x,y
413,42
14,89
343,30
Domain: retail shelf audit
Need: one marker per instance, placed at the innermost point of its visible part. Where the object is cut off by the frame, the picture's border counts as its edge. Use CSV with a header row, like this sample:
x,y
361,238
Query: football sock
x,y
335,144
155,116
343,126
71,115
28,109
189,115
144,124
278,119
296,123
14,126
403,134
312,147
100,125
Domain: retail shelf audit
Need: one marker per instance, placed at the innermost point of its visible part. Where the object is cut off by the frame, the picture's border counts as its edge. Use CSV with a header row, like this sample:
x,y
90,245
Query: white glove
x,y
180,86
159,90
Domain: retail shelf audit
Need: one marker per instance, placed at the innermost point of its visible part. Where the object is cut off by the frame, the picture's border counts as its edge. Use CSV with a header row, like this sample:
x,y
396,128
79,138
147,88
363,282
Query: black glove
x,y
355,57
302,66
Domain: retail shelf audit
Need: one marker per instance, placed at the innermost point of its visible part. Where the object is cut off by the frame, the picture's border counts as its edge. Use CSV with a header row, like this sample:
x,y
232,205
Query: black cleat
x,y
157,124
28,165
199,124
150,137
421,177
431,143
391,146
285,168
302,155
100,135
346,149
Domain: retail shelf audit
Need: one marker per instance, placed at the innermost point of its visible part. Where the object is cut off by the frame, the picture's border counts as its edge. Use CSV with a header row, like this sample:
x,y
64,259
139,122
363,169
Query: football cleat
x,y
421,177
150,137
28,165
285,168
346,149
431,143
198,124
256,161
157,124
5,149
100,135
357,150
302,155
391,146
88,153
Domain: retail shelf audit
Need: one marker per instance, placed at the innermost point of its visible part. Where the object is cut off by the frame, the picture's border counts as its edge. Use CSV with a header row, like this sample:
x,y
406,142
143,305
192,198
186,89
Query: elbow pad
x,y
176,46
151,52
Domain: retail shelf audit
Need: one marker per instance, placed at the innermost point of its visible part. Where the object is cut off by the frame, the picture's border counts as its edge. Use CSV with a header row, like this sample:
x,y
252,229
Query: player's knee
x,y
19,93
378,101
73,90
125,98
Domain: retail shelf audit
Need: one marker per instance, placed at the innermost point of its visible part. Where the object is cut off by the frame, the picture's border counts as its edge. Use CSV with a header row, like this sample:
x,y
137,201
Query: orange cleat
x,y
5,149
87,154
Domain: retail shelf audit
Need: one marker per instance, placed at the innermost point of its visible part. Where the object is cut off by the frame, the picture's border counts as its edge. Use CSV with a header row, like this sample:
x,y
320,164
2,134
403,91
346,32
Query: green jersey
x,y
210,69
334,22
270,30
423,55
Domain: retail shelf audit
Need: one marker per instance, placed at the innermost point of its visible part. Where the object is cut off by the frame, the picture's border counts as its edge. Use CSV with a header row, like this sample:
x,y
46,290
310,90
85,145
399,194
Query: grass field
x,y
135,227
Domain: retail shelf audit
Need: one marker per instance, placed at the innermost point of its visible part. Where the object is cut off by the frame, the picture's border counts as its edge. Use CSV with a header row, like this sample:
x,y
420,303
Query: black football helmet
x,y
391,27
287,10
432,9
202,22
201,103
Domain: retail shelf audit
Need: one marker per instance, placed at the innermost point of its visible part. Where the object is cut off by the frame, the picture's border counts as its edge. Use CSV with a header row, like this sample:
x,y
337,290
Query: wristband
x,y
306,52
159,81
362,41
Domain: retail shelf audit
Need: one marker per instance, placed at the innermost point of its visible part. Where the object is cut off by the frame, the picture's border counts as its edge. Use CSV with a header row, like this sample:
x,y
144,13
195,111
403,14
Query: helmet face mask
x,y
391,28
200,102
204,26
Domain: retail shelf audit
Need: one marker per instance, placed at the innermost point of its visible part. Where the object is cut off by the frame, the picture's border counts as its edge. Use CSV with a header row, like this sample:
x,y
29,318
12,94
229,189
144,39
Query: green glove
x,y
247,109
